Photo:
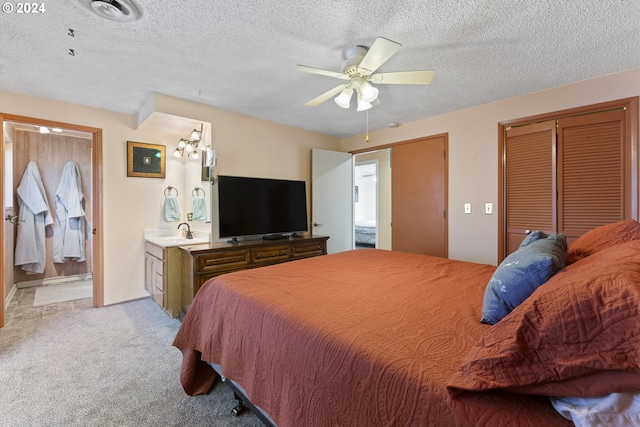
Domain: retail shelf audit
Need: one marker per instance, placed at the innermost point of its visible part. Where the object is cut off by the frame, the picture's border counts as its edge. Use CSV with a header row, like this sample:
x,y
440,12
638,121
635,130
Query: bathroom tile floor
x,y
21,309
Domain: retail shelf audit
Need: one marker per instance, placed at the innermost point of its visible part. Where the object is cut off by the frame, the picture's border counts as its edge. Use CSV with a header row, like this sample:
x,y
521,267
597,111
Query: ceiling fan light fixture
x,y
369,93
344,99
363,105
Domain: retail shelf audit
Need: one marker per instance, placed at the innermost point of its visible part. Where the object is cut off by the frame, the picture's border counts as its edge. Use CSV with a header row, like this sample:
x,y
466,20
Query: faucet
x,y
189,235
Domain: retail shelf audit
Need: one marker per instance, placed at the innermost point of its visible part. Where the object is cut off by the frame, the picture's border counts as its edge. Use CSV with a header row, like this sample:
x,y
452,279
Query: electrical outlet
x,y
190,216
488,208
467,208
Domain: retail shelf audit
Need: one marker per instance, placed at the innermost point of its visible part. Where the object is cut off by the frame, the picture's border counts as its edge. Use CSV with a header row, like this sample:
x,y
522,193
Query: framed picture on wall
x,y
146,160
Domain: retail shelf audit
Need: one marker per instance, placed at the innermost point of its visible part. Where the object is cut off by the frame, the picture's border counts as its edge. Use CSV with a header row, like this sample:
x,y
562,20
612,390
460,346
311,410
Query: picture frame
x,y
146,160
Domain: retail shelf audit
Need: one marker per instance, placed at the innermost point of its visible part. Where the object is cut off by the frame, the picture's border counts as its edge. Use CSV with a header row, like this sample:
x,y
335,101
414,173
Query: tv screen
x,y
261,206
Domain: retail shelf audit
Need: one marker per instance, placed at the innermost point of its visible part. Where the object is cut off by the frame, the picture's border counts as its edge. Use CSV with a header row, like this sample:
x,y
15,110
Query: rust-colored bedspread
x,y
359,338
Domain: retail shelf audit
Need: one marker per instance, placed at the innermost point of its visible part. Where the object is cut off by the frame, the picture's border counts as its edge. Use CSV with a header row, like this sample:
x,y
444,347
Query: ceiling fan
x,y
358,72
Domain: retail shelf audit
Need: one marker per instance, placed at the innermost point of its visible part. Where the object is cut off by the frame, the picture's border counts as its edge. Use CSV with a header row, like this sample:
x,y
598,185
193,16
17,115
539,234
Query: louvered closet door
x,y
530,181
591,172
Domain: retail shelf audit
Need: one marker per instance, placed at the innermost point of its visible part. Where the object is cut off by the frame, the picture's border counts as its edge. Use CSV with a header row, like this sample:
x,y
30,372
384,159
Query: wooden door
x,y
530,180
591,172
51,152
568,171
418,196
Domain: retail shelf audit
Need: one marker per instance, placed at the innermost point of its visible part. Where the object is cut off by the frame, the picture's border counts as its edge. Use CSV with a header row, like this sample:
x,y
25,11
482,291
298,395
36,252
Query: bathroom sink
x,y
166,241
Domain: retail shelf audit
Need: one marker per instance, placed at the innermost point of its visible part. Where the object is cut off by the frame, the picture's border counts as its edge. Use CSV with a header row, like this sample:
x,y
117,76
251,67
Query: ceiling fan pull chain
x,y
367,137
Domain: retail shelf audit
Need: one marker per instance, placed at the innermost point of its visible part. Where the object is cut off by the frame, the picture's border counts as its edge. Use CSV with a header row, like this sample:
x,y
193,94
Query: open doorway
x,y
372,199
365,200
65,147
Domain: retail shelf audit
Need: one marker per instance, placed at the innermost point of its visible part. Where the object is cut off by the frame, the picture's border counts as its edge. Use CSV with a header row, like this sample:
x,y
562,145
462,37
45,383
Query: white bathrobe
x,y
69,233
33,215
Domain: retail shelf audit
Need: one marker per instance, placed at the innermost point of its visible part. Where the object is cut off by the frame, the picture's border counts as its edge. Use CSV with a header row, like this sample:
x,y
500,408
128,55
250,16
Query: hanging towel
x,y
69,233
33,216
199,209
171,209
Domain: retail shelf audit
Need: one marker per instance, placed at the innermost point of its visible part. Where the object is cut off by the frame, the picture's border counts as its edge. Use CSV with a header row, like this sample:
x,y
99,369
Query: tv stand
x,y
296,236
234,241
206,260
275,237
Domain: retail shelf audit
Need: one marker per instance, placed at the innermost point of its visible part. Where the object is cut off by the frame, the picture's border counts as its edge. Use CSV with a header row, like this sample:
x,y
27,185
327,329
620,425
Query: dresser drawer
x,y
223,261
270,255
309,249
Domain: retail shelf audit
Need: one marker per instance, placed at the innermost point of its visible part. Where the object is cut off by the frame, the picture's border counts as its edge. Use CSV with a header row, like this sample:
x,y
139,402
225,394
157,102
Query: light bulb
x,y
369,93
344,99
177,153
188,146
181,143
44,129
195,136
363,105
195,155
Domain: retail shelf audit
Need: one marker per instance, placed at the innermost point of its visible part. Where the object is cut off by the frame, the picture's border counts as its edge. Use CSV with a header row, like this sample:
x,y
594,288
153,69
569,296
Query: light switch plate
x,y
488,208
467,208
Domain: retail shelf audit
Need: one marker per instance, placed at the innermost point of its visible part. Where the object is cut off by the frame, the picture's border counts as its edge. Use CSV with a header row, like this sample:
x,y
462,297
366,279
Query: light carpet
x,y
70,291
111,366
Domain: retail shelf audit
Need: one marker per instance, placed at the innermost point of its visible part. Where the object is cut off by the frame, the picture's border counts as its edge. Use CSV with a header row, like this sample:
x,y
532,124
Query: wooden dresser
x,y
204,261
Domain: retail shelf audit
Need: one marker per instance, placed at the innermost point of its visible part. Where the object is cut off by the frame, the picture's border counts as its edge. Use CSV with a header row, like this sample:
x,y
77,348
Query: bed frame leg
x,y
237,410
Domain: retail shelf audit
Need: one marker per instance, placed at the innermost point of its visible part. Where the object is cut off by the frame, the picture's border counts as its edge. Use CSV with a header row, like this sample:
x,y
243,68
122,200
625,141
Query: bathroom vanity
x,y
163,266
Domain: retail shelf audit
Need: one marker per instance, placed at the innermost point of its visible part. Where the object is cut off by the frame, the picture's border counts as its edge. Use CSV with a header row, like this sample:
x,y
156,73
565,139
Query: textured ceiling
x,y
241,56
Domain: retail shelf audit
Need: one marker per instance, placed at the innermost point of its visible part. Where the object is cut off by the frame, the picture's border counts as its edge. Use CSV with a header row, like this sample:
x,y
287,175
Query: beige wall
x,y
473,152
245,146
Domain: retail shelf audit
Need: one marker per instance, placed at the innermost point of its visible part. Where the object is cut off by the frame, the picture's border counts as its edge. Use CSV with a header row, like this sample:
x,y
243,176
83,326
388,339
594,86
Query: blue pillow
x,y
532,237
539,257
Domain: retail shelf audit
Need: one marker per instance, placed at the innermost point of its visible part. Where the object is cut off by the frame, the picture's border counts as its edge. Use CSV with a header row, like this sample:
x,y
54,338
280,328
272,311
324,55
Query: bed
x,y
383,338
365,233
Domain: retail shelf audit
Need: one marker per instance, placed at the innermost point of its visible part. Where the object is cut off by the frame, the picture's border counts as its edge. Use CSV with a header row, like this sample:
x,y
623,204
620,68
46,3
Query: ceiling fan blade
x,y
325,96
323,72
380,51
404,77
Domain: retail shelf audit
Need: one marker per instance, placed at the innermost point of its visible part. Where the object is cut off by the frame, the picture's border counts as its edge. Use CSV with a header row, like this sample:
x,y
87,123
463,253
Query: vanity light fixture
x,y
190,145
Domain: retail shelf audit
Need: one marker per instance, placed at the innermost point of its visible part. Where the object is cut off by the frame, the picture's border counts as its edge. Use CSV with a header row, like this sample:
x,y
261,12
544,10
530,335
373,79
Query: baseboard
x,y
8,298
54,280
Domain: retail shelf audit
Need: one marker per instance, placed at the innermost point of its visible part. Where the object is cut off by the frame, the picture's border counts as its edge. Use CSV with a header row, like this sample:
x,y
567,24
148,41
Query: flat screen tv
x,y
269,208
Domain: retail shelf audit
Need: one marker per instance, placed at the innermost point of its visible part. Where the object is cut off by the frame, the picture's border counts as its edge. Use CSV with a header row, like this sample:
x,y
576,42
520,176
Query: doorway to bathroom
x,y
53,149
365,200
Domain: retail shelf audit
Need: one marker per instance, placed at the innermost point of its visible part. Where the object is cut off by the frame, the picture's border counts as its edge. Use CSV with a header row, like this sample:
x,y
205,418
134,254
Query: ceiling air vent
x,y
114,10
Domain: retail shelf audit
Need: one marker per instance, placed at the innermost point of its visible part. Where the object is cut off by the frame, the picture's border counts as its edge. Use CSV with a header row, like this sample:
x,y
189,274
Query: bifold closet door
x,y
568,175
530,182
592,172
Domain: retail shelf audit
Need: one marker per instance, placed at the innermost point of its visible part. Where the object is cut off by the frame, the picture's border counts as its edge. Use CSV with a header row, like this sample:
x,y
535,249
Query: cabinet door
x,y
149,273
